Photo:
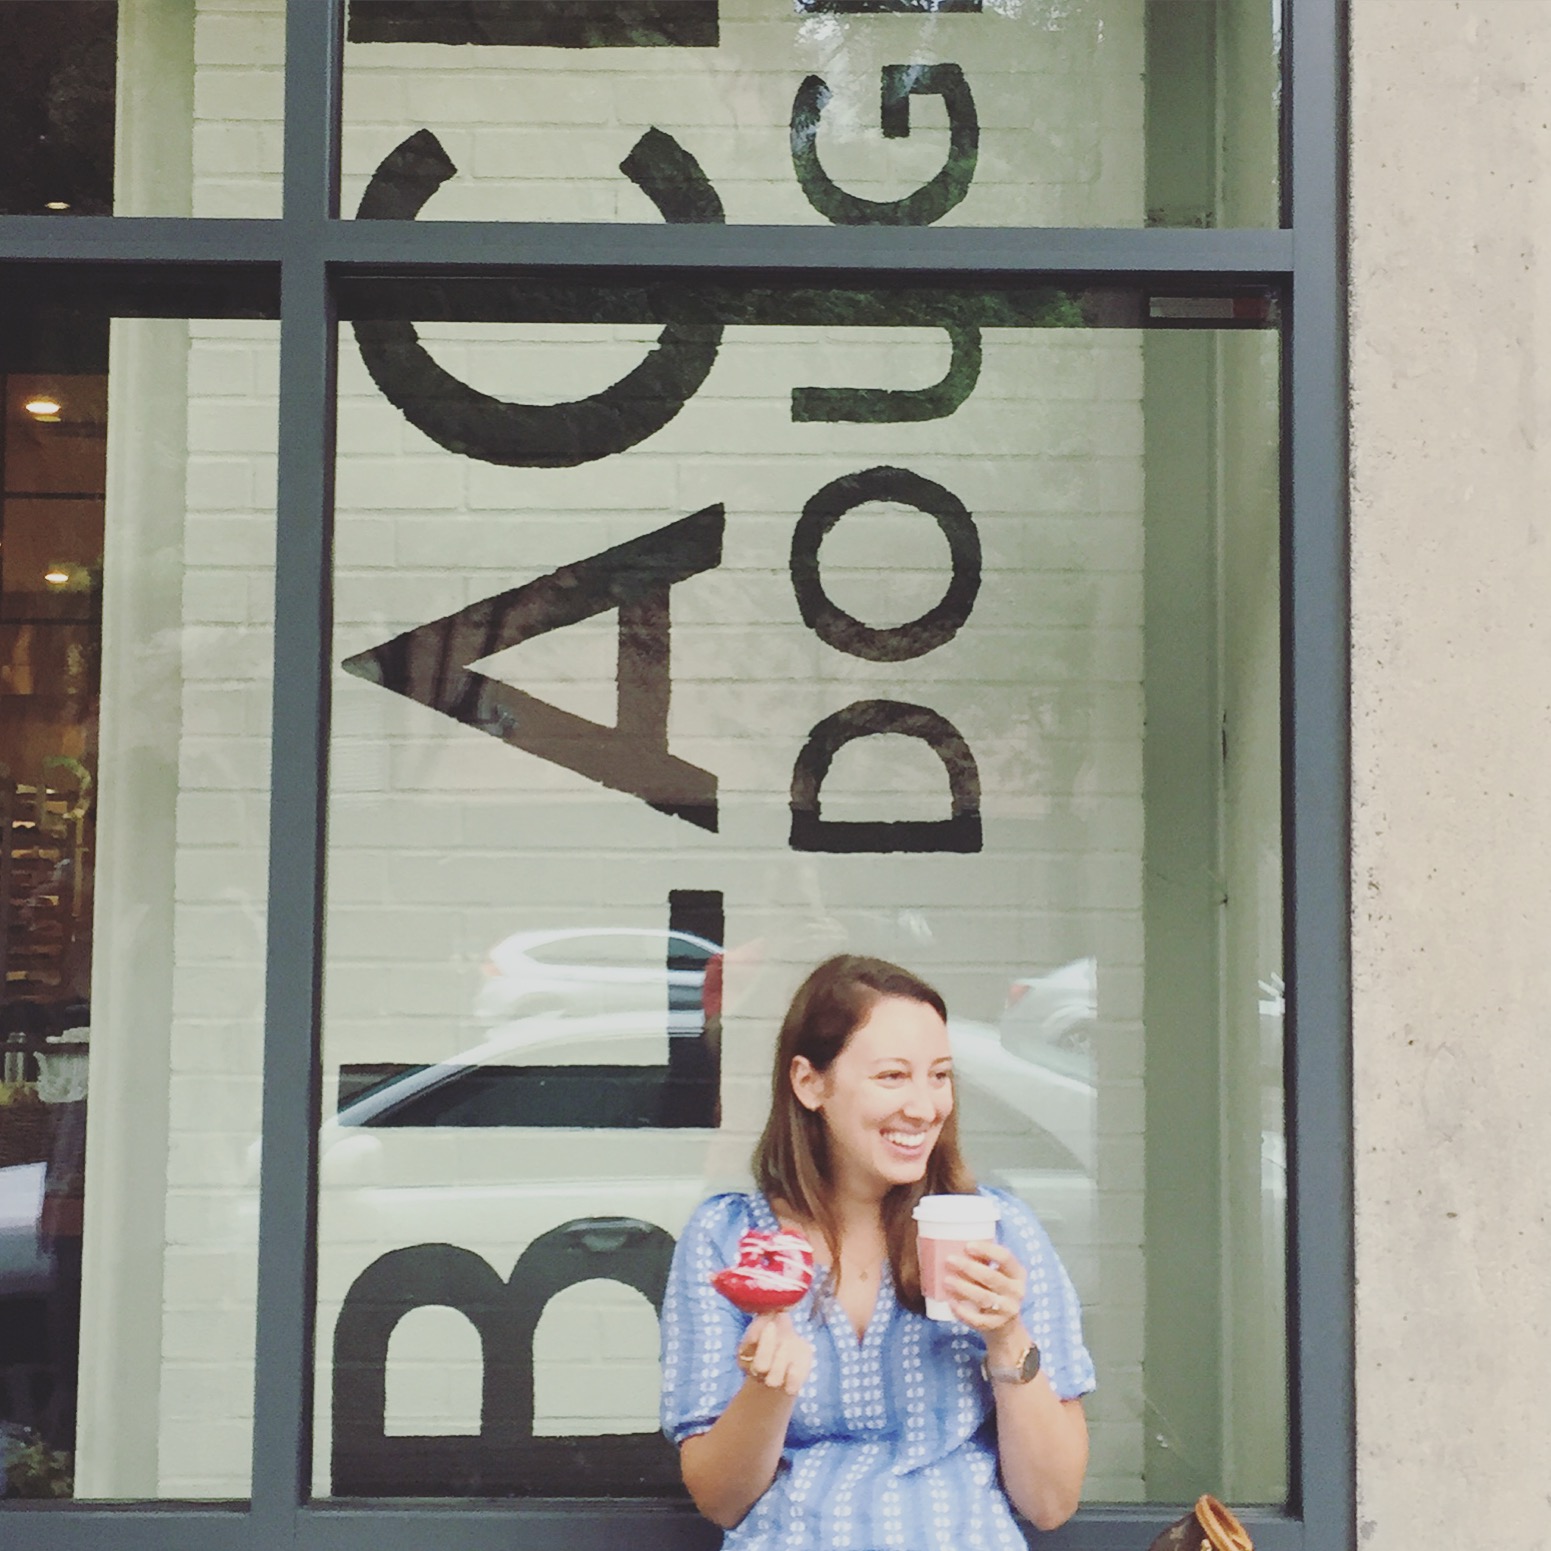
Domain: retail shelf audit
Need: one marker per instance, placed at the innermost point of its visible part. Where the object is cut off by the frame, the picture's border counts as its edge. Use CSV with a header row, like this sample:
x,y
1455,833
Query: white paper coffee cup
x,y
944,1225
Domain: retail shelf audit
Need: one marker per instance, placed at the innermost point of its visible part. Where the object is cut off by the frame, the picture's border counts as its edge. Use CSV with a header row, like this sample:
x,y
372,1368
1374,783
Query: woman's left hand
x,y
1041,1439
985,1288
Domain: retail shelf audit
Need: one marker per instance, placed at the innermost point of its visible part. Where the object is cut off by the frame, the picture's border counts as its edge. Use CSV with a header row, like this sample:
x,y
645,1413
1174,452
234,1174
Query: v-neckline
x,y
862,1337
885,1280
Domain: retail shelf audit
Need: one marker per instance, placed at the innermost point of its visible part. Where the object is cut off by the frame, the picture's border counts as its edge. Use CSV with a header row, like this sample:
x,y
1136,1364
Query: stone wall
x,y
1451,569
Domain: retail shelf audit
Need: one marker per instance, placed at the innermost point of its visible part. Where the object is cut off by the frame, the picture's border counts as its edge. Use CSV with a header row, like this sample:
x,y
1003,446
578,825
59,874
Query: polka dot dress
x,y
891,1445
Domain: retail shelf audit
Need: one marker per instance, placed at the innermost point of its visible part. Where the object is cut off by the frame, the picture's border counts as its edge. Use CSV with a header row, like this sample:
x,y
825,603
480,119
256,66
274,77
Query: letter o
x,y
844,631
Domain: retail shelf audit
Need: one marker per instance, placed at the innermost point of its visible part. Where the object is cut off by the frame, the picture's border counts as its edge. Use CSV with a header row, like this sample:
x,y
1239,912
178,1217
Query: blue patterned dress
x,y
892,1445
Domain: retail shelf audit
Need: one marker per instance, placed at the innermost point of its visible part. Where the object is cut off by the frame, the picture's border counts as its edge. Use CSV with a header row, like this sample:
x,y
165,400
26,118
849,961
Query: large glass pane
x,y
141,107
893,112
682,640
136,540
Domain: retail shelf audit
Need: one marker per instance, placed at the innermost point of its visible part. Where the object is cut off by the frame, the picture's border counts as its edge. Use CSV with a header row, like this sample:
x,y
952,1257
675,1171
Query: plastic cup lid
x,y
956,1209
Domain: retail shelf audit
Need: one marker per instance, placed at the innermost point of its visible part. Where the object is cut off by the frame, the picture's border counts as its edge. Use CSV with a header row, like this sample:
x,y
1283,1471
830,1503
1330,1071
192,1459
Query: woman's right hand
x,y
773,1354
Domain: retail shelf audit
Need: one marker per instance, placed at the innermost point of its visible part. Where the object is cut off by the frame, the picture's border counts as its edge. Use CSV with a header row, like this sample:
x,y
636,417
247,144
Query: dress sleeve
x,y
700,1328
1051,1308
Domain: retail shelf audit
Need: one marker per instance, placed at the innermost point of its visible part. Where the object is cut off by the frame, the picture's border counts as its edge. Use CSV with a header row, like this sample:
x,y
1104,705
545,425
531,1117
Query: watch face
x,y
1019,1375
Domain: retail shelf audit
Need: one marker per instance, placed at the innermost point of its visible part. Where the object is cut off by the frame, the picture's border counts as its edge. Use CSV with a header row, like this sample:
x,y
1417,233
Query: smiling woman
x,y
884,1098
858,1418
861,1102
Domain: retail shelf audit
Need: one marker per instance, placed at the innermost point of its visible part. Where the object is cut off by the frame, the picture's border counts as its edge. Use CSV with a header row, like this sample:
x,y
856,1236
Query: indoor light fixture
x,y
57,204
43,407
56,576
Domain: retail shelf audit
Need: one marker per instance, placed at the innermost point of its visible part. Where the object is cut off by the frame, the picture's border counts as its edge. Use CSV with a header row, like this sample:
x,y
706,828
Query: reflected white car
x,y
560,1102
592,970
1056,1010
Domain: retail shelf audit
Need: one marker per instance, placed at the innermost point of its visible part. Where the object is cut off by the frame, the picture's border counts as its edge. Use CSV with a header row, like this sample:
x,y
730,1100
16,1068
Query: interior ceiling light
x,y
41,405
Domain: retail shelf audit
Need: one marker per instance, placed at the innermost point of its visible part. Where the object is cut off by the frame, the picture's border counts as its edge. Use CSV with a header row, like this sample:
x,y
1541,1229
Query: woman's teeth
x,y
909,1141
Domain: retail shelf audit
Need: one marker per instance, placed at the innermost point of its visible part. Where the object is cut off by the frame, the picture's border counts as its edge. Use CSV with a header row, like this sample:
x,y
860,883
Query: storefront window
x,y
136,540
886,112
626,739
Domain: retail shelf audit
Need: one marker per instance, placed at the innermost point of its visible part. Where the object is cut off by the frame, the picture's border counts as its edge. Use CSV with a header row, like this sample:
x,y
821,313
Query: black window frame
x,y
168,264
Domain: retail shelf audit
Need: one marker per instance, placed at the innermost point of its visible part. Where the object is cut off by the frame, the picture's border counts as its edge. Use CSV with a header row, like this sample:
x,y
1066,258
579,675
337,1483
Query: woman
x,y
855,1423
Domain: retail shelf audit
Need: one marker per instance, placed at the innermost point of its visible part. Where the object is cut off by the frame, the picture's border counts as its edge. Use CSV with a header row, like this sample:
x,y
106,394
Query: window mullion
x,y
1321,1346
304,504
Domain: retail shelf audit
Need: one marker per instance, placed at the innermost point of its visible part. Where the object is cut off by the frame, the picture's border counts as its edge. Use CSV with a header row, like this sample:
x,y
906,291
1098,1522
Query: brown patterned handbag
x,y
1210,1527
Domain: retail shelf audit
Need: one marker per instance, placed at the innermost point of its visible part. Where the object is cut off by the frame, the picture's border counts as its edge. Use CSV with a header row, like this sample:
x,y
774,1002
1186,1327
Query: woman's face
x,y
884,1098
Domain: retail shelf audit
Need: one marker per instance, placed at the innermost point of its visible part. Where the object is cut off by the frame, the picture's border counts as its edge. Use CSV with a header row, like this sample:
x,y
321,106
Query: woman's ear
x,y
807,1083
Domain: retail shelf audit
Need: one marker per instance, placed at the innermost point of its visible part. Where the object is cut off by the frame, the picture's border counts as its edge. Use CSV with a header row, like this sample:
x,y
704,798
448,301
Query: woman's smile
x,y
912,1144
885,1097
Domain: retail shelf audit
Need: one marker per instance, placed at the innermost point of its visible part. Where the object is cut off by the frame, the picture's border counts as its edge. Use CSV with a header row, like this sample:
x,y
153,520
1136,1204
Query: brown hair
x,y
791,1161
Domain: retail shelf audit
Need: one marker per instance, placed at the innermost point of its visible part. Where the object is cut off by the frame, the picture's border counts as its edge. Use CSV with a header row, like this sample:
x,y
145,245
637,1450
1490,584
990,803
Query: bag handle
x,y
1222,1527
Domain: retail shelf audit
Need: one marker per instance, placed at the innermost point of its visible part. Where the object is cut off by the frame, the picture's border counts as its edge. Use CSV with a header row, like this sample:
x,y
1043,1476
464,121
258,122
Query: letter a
x,y
430,665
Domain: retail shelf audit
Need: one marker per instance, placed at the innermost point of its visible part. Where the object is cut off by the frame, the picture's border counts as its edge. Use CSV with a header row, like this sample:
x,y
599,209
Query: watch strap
x,y
1022,1372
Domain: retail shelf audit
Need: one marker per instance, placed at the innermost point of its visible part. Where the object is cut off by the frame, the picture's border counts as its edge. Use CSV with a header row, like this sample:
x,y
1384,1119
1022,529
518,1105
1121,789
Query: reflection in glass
x,y
639,716
578,1036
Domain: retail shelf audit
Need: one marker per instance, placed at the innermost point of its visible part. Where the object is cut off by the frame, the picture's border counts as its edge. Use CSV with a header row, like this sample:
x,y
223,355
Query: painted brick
x,y
238,38
225,95
214,873
235,199
228,531
216,597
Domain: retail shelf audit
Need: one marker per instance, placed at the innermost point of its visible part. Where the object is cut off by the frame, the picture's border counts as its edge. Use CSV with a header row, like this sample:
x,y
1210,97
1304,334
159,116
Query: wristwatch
x,y
1021,1371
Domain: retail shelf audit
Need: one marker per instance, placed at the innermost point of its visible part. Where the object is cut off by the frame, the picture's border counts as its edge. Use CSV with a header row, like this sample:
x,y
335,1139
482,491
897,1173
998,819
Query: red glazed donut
x,y
772,1272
